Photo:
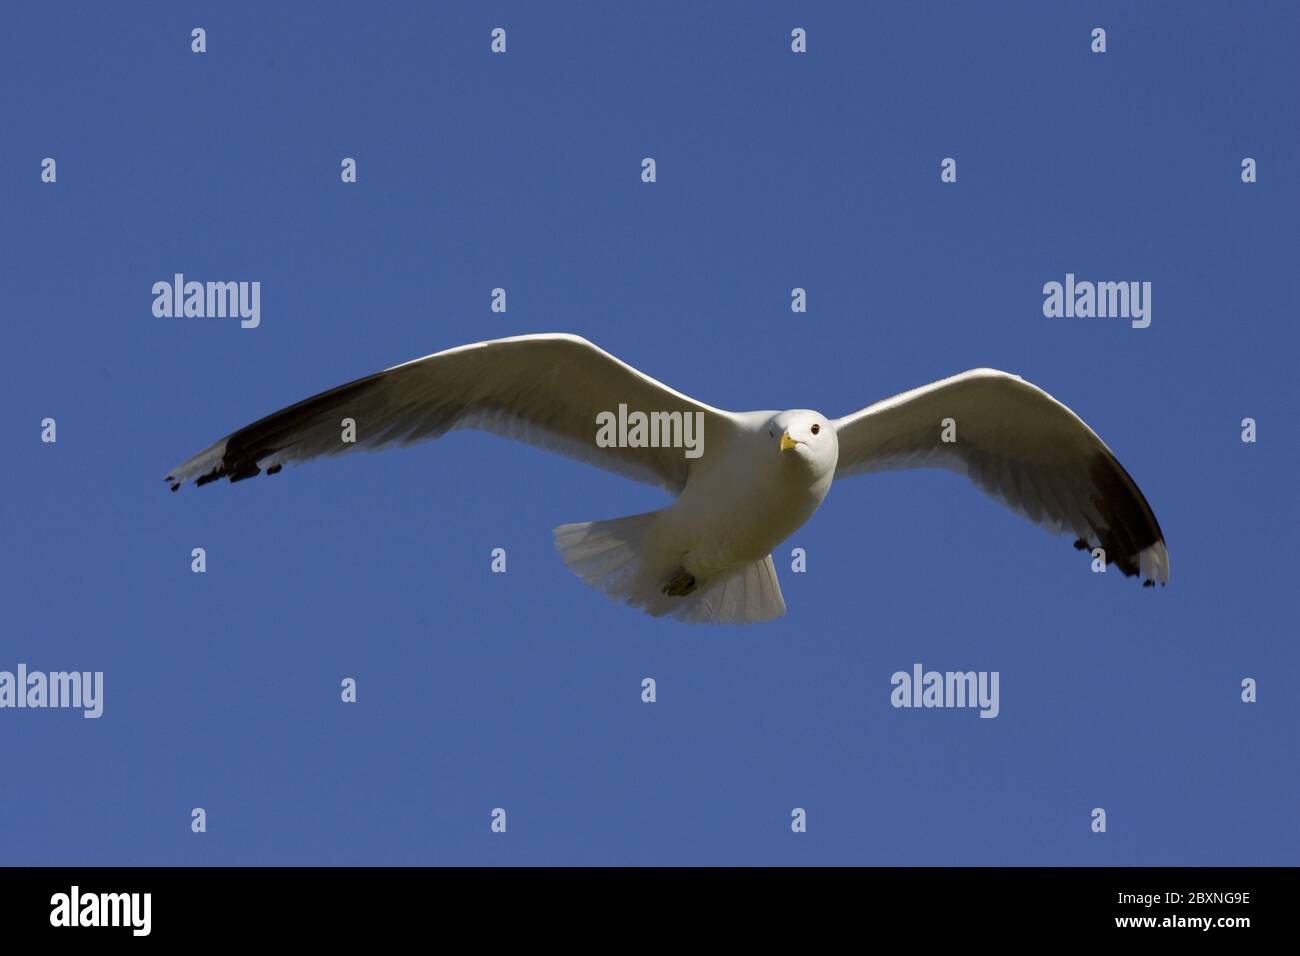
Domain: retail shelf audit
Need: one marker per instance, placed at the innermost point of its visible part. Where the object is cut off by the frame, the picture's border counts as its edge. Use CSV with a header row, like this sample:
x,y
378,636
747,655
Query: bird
x,y
752,479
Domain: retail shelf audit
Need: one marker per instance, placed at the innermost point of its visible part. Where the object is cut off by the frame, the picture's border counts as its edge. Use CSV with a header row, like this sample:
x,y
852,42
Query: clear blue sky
x,y
522,690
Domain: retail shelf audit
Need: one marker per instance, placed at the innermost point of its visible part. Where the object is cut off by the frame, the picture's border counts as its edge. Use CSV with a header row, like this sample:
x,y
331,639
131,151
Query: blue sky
x,y
522,690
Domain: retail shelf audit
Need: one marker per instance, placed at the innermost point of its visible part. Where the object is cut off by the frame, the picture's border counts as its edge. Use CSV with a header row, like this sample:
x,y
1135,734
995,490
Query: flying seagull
x,y
752,479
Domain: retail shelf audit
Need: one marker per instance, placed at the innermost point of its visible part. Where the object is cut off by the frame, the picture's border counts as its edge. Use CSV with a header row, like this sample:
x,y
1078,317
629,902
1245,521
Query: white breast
x,y
736,510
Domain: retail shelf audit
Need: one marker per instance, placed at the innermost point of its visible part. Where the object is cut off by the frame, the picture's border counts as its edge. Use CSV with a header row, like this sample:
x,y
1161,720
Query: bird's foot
x,y
680,584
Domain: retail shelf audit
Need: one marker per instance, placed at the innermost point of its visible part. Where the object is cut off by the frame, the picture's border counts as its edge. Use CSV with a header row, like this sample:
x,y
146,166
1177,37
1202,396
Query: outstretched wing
x,y
1023,448
545,390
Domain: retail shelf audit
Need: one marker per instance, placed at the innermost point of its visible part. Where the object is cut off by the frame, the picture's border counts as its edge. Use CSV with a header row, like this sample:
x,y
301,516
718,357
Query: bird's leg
x,y
680,584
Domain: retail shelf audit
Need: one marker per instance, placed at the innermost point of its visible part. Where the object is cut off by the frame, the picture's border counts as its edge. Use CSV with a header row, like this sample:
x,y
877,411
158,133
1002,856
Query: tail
x,y
620,558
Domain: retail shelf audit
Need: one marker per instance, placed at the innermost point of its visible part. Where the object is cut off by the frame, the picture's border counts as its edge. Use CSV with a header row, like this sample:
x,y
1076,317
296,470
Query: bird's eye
x,y
816,429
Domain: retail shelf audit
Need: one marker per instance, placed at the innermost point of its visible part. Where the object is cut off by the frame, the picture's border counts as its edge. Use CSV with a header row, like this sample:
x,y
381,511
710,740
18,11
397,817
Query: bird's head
x,y
805,438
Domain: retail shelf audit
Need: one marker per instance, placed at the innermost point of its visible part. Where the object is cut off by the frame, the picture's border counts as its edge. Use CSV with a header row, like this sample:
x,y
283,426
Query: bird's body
x,y
713,543
757,476
741,505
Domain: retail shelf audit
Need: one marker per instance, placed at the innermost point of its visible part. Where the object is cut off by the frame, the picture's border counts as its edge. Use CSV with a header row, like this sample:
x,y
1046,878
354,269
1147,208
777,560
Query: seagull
x,y
753,479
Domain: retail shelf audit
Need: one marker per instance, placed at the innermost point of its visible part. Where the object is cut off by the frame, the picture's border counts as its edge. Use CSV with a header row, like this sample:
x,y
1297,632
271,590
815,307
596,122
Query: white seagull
x,y
755,477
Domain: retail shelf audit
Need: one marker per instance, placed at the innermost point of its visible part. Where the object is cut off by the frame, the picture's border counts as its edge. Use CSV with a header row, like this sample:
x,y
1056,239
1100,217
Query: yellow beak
x,y
787,442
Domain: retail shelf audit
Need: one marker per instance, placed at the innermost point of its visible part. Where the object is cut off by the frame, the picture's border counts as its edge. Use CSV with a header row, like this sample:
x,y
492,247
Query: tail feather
x,y
621,558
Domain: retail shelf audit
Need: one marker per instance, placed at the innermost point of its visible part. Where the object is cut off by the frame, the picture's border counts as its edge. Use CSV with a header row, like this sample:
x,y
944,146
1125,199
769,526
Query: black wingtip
x,y
248,470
